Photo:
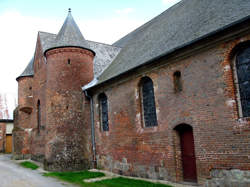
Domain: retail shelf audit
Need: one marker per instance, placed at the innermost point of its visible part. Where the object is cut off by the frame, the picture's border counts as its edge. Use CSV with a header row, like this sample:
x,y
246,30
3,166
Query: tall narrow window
x,y
38,116
177,82
148,102
103,103
243,75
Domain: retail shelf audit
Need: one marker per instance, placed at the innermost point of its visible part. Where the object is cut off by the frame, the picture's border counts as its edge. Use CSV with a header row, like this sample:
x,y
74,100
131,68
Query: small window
x,y
243,77
177,82
69,61
148,102
103,103
38,116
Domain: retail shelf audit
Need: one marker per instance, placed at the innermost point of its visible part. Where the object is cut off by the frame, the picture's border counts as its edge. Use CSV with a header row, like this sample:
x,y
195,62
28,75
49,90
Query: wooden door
x,y
188,154
8,143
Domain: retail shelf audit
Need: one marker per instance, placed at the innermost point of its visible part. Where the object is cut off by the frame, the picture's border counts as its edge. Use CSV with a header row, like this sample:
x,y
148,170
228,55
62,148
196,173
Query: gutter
x,y
92,128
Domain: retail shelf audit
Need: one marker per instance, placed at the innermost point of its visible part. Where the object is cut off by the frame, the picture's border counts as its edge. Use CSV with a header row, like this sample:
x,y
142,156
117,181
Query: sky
x,y
103,21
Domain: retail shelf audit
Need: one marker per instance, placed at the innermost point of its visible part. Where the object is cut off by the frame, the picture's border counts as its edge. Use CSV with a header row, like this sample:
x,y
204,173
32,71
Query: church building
x,y
169,101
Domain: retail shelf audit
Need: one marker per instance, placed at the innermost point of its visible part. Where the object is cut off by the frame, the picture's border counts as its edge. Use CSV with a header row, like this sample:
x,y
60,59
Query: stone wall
x,y
207,102
229,178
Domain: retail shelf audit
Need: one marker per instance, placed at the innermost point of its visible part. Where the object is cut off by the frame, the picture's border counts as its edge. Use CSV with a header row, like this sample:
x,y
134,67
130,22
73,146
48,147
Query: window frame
x,y
38,116
236,81
177,81
141,83
101,96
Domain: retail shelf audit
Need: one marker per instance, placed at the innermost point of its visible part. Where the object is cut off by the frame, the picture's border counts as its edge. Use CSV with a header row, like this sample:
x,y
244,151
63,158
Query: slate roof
x,y
179,26
105,54
69,35
29,71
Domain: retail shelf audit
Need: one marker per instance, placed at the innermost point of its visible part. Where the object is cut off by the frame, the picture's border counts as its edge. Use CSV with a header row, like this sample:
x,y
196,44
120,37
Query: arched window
x,y
148,102
243,77
177,82
38,116
103,103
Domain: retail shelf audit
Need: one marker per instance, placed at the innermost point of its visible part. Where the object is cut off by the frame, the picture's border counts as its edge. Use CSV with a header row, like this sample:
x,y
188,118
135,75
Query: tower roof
x,y
69,35
29,71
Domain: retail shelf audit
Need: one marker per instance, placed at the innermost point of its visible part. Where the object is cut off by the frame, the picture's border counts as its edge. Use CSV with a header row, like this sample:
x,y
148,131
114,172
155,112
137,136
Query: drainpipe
x,y
92,127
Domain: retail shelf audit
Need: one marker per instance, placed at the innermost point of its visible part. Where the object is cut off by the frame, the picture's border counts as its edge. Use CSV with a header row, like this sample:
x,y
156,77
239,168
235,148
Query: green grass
x,y
125,182
30,165
74,177
78,177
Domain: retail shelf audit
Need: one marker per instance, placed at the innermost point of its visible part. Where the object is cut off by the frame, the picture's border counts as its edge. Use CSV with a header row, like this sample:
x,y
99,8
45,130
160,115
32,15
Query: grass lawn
x,y
125,182
78,177
30,165
74,177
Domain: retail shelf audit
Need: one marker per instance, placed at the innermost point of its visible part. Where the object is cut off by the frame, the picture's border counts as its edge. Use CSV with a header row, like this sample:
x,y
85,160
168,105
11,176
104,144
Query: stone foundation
x,y
229,178
38,158
66,165
132,169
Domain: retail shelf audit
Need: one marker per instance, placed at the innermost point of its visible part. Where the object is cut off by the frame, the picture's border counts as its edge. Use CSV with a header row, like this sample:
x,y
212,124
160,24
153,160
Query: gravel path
x,y
13,175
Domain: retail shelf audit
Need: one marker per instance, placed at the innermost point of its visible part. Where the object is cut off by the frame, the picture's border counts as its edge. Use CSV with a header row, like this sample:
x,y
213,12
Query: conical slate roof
x,y
29,71
69,35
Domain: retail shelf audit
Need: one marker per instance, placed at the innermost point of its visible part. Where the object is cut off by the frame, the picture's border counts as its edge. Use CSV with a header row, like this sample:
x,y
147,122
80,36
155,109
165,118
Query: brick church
x,y
170,100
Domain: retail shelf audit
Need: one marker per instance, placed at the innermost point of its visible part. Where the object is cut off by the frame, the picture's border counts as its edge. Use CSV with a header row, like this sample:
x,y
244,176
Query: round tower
x,y
22,114
69,67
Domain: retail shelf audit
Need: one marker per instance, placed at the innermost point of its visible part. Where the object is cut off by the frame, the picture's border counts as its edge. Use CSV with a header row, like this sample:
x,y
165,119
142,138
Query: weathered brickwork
x,y
207,102
62,140
64,110
146,121
22,115
2,137
38,92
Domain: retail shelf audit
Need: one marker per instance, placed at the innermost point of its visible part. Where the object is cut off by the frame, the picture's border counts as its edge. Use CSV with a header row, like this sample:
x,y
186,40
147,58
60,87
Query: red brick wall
x,y
2,137
25,91
22,118
207,103
39,93
65,140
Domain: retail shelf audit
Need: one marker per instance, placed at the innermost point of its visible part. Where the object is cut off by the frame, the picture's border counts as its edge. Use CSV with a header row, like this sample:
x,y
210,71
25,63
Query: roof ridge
x,y
46,32
103,43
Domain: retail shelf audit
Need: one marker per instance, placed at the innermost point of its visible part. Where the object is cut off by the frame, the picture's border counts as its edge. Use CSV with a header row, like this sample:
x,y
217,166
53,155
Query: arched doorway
x,y
185,133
